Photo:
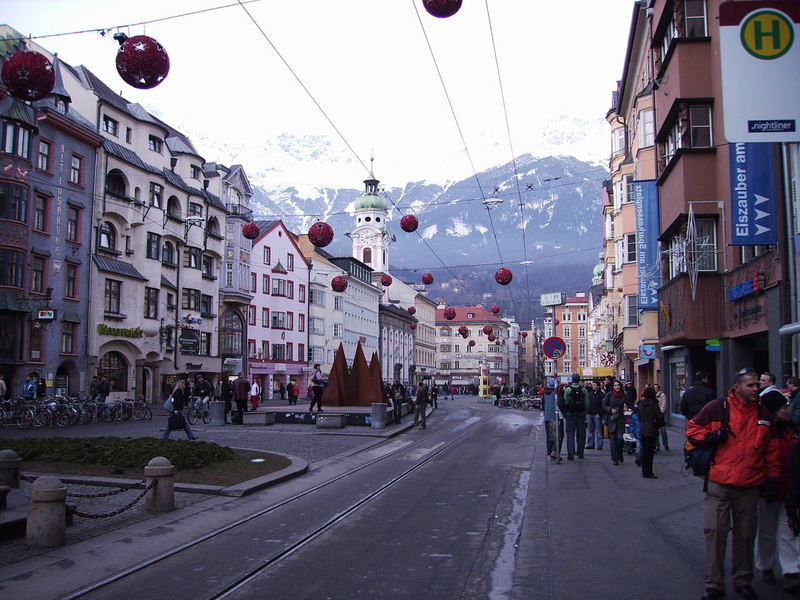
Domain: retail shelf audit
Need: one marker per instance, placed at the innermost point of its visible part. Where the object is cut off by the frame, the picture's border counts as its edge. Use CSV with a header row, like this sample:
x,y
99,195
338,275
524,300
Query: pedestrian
x,y
290,392
176,419
282,391
740,430
94,389
554,424
661,397
768,393
226,395
398,397
434,396
631,397
41,387
614,411
3,388
420,405
594,417
203,390
574,405
318,385
29,388
104,388
241,390
255,394
697,396
793,385
651,419
771,505
789,525
635,430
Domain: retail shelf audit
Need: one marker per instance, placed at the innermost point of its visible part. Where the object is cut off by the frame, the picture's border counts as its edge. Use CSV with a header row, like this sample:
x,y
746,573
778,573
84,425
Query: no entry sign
x,y
554,347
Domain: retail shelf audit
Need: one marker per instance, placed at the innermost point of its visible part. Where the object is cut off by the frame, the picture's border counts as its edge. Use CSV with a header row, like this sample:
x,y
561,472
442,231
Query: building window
x,y
251,348
73,224
107,236
301,352
267,255
195,209
647,131
16,139
617,141
113,293
566,317
38,274
706,248
567,331
128,135
192,258
338,303
40,213
110,125
627,181
337,330
670,34
150,303
630,247
156,195
44,159
445,348
207,265
290,262
67,337
153,245
278,287
205,343
11,267
367,256
631,310
251,315
76,170
301,322
168,254
619,256
265,317
195,172
278,352
699,131
231,334
35,343
190,299
695,15
279,320
445,365
71,281
581,332
112,366
206,306
229,275
290,289
13,202
316,325
316,297
154,143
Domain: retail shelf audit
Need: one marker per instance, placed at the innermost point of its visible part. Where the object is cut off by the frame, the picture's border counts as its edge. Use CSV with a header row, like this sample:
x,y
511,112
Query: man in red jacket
x,y
746,458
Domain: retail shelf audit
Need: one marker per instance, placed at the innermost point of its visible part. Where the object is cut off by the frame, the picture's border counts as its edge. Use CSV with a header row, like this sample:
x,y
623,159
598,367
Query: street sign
x,y
760,58
554,347
554,299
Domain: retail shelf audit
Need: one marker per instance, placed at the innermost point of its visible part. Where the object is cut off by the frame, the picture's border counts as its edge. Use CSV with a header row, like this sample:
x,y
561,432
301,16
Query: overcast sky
x,y
368,65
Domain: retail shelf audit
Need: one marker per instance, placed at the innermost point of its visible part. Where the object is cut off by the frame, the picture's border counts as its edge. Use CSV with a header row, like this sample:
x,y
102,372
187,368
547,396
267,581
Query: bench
x,y
331,421
258,418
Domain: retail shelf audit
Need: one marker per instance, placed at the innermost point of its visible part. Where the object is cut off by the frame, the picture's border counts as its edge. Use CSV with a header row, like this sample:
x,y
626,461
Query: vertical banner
x,y
648,228
752,195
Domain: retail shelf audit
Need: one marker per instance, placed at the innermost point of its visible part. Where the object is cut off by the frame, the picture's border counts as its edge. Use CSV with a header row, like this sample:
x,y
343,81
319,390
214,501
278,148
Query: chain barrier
x,y
119,510
104,494
24,477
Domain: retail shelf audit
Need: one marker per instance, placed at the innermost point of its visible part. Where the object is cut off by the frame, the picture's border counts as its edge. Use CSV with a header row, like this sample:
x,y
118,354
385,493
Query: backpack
x,y
576,402
697,460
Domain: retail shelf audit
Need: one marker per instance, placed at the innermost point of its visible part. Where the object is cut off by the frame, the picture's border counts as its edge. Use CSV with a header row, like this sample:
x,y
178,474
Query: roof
x,y
129,156
370,202
117,267
167,283
397,311
481,315
577,300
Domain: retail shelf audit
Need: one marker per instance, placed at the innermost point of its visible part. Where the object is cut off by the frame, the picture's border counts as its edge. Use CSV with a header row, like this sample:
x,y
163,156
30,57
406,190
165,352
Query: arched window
x,y
230,334
115,183
367,256
212,227
173,207
168,253
114,367
107,236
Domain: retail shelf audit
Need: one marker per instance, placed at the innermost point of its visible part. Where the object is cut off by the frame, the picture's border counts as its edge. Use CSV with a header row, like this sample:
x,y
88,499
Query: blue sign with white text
x,y
752,194
645,197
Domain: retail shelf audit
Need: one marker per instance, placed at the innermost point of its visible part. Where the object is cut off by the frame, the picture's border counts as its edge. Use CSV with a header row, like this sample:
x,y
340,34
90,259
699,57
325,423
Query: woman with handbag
x,y
176,419
651,419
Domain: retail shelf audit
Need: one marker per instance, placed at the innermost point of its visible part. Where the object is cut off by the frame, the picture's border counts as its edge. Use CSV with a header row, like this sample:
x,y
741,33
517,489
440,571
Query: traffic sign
x,y
554,299
554,347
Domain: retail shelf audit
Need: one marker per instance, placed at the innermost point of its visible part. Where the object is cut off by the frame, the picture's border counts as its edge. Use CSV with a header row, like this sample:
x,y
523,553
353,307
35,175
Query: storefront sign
x,y
135,332
645,195
760,59
752,195
46,314
747,288
189,340
647,351
553,299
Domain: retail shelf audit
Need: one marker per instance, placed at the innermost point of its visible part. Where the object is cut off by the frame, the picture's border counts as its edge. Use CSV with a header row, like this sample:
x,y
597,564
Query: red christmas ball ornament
x,y
339,283
524,334
450,313
409,223
503,276
413,326
320,234
411,310
250,231
28,75
386,280
471,342
516,342
463,330
442,9
427,279
496,309
141,61
491,337
556,323
487,329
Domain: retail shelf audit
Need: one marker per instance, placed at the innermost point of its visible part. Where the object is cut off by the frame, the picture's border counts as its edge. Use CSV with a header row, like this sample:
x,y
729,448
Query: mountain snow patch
x,y
459,228
430,231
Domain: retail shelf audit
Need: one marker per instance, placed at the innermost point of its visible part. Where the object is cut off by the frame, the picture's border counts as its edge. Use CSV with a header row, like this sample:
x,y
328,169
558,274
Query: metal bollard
x,y
161,498
378,415
217,413
9,468
47,524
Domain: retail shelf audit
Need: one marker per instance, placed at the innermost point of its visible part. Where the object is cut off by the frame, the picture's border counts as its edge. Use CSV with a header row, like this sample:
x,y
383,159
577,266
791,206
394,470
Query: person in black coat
x,y
421,404
226,395
697,396
176,419
650,420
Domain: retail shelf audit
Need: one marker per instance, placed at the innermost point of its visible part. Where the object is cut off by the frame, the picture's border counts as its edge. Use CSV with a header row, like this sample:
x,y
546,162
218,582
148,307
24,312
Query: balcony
x,y
238,210
682,319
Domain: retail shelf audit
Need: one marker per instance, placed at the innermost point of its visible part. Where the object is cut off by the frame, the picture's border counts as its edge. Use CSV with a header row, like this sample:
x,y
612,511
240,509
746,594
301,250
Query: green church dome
x,y
370,202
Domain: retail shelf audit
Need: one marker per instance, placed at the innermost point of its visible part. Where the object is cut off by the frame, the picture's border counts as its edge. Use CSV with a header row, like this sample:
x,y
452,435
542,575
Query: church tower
x,y
371,237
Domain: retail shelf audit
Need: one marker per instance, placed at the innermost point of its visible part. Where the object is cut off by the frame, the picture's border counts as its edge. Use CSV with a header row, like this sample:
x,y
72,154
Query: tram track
x,y
307,538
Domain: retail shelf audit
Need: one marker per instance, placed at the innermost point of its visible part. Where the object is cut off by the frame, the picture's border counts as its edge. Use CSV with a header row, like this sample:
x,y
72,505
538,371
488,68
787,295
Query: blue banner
x,y
648,228
752,195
